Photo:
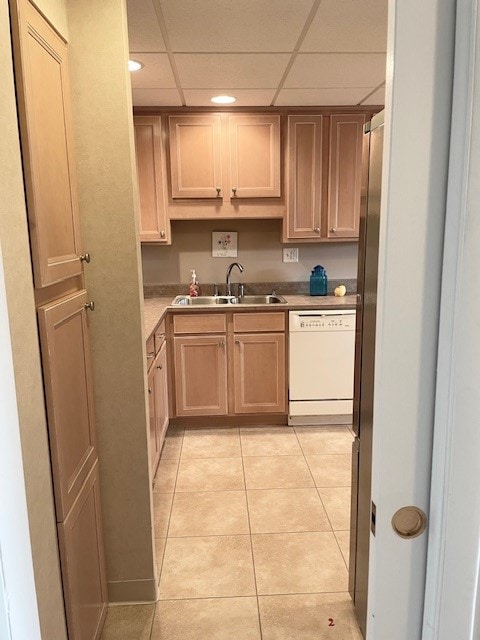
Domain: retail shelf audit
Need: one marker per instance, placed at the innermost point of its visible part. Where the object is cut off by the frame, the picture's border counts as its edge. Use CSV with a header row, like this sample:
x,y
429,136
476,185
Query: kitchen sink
x,y
214,300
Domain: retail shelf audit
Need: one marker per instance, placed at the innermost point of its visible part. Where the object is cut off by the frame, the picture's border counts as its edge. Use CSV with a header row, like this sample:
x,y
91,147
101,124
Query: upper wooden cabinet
x,y
154,224
307,163
42,82
225,157
254,156
347,178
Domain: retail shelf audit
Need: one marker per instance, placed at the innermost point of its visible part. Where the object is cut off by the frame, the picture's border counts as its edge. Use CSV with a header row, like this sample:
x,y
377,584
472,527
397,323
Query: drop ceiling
x,y
264,52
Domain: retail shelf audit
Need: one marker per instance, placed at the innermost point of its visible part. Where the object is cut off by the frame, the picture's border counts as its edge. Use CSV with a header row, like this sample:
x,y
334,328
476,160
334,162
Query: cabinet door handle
x,y
222,344
149,389
234,191
159,366
317,230
162,234
237,341
85,257
333,230
219,191
89,305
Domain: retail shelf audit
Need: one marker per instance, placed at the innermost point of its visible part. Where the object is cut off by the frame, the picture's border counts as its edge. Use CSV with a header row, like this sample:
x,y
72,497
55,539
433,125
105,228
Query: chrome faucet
x,y
228,291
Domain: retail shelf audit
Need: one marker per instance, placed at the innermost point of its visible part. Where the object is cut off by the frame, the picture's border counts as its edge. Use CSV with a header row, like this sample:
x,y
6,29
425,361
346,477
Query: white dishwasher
x,y
321,364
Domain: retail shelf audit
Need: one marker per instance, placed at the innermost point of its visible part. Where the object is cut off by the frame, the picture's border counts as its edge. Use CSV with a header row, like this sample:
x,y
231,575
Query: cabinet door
x,y
347,178
307,188
161,396
152,421
200,375
150,174
83,567
69,394
255,156
41,76
196,156
259,373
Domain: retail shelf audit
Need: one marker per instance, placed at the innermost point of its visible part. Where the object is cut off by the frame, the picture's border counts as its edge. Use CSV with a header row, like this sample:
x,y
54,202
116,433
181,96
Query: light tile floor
x,y
252,538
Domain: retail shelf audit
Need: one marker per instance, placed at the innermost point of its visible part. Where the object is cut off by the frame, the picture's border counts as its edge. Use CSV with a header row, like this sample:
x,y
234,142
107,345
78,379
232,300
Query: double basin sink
x,y
227,300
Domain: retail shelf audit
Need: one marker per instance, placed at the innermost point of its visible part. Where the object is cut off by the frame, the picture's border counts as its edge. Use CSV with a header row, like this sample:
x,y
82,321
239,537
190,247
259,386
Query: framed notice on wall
x,y
224,244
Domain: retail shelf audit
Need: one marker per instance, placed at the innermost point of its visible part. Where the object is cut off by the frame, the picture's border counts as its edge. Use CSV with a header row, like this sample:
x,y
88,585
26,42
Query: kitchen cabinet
x,y
347,177
43,94
225,156
82,563
326,177
229,363
154,223
259,377
306,175
157,384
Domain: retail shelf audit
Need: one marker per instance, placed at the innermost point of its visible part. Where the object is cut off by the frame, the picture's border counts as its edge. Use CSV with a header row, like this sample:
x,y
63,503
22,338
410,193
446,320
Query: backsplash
x,y
259,251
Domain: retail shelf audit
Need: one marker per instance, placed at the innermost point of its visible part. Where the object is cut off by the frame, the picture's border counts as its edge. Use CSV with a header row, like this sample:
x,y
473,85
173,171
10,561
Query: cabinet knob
x,y
317,230
234,191
85,257
162,234
159,366
149,389
222,344
219,191
89,305
333,230
237,341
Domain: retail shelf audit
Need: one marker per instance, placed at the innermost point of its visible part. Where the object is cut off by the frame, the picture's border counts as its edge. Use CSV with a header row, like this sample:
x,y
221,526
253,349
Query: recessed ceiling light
x,y
223,99
133,65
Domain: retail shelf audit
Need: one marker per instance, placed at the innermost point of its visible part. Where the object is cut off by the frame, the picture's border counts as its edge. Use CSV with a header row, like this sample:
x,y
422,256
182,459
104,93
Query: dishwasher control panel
x,y
322,321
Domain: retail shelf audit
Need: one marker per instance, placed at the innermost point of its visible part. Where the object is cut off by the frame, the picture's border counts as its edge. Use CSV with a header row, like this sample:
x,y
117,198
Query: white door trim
x,y
451,595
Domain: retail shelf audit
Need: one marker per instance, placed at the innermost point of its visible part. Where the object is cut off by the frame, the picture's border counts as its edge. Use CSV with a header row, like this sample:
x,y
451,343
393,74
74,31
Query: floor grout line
x,y
251,543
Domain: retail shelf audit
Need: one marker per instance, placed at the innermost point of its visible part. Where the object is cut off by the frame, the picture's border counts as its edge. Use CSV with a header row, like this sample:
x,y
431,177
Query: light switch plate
x,y
290,254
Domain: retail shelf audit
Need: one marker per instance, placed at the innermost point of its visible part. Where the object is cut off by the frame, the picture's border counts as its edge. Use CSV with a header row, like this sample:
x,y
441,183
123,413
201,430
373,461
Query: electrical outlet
x,y
290,254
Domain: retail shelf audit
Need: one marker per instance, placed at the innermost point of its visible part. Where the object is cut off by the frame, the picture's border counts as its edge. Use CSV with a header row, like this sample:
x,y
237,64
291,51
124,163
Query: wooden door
x,y
347,182
254,156
259,373
154,226
83,565
161,396
196,156
152,421
200,375
307,184
69,395
41,76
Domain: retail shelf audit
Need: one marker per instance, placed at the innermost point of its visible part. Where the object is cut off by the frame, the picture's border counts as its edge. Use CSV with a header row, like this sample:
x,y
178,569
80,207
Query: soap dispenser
x,y
318,281
194,288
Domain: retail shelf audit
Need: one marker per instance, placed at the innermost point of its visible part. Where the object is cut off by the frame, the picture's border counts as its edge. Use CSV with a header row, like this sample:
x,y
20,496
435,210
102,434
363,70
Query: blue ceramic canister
x,y
318,281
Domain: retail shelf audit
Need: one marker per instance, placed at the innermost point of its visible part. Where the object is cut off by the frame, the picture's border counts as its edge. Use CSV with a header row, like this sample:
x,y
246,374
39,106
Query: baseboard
x,y
228,421
132,591
320,420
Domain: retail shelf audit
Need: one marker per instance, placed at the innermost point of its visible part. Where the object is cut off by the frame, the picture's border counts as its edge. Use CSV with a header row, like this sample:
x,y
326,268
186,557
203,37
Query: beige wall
x,y
28,380
107,191
259,250
56,12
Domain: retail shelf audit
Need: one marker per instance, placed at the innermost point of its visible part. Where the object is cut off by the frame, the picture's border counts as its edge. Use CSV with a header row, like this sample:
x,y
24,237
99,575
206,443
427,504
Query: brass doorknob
x,y
89,305
85,257
409,522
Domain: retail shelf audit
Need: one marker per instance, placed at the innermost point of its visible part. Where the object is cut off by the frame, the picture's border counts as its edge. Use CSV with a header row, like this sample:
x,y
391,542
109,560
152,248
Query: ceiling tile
x,y
377,97
236,71
143,31
156,98
318,70
156,74
320,97
245,97
348,25
246,25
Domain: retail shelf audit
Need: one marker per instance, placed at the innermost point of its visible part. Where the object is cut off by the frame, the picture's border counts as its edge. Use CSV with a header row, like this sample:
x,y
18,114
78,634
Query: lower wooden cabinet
x,y
157,395
259,373
152,426
241,371
200,375
82,562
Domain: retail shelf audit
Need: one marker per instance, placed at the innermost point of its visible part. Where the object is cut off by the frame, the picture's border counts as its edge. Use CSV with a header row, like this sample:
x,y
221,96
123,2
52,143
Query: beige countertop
x,y
156,308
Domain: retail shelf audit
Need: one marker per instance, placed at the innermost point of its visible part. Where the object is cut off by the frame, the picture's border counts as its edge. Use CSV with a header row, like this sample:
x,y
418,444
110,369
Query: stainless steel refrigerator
x,y
362,515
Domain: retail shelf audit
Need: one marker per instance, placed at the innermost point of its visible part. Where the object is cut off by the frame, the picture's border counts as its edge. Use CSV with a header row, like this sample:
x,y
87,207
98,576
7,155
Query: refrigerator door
x,y
364,376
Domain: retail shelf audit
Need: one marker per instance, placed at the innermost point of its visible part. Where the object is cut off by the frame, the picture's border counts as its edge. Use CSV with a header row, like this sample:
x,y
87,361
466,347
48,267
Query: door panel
x,y
69,394
255,156
83,566
152,424
161,396
259,373
41,75
200,375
